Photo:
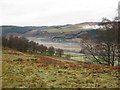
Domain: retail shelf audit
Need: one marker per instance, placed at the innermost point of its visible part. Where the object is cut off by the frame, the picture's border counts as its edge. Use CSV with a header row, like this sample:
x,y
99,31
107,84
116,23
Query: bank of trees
x,y
24,45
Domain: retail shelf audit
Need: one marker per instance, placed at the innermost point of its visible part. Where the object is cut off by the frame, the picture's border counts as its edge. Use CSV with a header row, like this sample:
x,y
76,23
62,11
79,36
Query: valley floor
x,y
22,70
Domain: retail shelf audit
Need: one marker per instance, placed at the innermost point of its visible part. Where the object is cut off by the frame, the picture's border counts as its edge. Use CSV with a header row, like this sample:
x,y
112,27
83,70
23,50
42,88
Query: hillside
x,y
30,70
64,30
50,29
66,37
20,29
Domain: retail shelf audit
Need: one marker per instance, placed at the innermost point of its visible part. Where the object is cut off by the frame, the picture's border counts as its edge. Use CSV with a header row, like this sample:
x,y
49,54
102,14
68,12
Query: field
x,y
65,29
22,70
75,56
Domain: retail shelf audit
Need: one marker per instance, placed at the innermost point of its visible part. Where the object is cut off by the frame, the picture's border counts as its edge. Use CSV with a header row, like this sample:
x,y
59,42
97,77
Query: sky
x,y
55,12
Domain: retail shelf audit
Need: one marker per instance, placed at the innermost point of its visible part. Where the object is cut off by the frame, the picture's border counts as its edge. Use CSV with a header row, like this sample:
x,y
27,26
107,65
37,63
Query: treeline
x,y
24,45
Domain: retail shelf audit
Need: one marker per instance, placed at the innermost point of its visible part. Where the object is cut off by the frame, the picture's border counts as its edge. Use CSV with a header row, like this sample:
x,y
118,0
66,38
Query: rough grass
x,y
46,72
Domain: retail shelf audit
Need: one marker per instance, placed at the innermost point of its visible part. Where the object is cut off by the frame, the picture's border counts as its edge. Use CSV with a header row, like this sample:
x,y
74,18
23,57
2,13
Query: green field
x,y
66,29
30,70
79,57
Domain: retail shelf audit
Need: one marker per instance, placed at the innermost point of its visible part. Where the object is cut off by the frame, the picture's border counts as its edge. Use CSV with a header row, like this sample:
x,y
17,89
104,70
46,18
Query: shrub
x,y
18,59
68,56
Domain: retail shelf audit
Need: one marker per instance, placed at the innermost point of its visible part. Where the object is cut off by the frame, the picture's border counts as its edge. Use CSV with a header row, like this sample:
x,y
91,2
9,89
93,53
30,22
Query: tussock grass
x,y
47,72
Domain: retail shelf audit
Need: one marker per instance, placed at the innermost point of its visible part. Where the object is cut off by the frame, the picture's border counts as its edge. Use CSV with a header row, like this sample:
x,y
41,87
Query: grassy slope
x,y
65,29
43,71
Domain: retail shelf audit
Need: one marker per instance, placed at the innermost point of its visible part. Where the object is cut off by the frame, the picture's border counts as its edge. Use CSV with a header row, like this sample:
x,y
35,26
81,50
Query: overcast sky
x,y
55,12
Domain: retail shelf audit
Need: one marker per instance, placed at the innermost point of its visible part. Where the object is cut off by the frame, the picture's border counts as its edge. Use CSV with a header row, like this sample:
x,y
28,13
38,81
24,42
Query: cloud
x,y
53,12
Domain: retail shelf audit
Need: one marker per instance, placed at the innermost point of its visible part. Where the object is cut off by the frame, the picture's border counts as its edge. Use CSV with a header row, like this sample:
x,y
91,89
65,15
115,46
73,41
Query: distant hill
x,y
28,30
61,36
19,29
73,27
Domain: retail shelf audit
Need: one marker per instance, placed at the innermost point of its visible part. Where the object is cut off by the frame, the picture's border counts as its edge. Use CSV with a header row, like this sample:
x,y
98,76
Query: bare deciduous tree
x,y
103,48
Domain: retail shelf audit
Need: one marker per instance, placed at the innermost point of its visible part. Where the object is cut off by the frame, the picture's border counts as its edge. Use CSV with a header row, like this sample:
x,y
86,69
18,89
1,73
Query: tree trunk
x,y
108,53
